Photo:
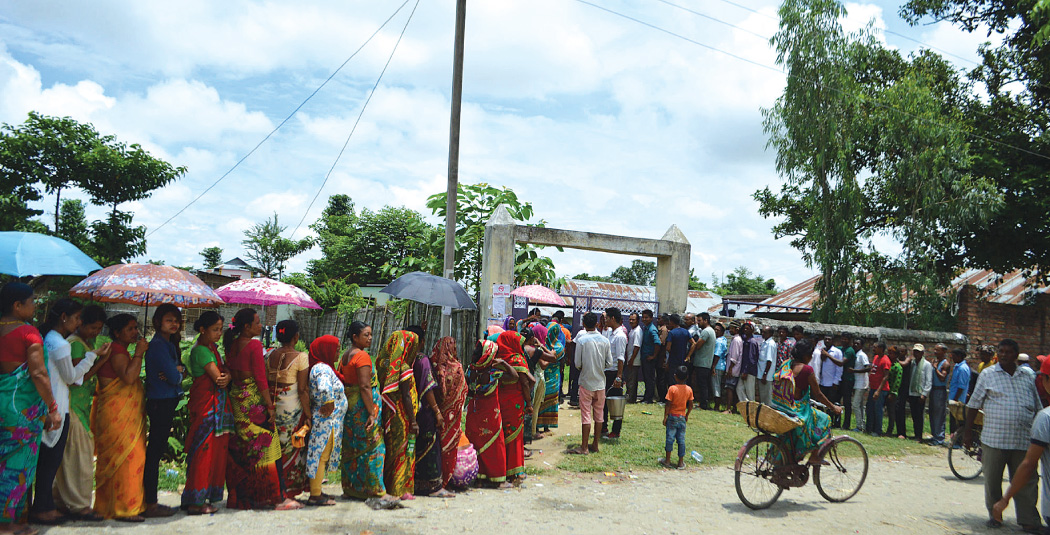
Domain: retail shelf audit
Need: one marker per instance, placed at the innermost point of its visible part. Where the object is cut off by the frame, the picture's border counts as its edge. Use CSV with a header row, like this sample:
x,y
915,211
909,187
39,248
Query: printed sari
x,y
548,417
251,471
448,372
428,446
484,426
208,438
22,413
364,451
512,402
76,475
816,426
393,368
288,418
118,420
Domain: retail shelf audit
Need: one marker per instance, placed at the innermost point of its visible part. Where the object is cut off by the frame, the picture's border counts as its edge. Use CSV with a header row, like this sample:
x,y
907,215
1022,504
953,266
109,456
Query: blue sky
x,y
603,124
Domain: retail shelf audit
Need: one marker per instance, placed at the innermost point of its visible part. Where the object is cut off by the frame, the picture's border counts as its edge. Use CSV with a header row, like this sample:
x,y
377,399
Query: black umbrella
x,y
431,290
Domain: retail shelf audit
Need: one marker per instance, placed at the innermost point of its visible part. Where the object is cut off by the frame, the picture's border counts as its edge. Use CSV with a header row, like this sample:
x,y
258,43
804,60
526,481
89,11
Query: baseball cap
x,y
1023,357
918,347
1045,368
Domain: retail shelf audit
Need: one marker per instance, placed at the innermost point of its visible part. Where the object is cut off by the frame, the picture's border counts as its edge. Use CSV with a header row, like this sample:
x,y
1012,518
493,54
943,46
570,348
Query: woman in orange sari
x,y
399,411
448,372
118,421
515,393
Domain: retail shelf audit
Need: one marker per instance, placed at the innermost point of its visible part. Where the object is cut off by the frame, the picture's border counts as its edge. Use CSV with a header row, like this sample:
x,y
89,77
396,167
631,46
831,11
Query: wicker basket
x,y
766,419
958,411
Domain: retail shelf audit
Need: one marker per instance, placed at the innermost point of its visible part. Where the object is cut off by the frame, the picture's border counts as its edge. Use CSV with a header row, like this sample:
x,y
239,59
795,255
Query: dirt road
x,y
910,495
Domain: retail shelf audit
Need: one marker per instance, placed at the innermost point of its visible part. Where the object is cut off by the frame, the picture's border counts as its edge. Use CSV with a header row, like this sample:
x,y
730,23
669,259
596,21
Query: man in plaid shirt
x,y
1006,393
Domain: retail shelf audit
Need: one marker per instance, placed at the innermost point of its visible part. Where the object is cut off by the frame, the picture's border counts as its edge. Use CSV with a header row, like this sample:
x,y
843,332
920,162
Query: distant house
x,y
236,268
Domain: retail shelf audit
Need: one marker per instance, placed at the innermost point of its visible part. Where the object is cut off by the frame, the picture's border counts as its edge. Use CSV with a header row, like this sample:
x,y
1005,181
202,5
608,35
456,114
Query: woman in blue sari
x,y
793,385
548,418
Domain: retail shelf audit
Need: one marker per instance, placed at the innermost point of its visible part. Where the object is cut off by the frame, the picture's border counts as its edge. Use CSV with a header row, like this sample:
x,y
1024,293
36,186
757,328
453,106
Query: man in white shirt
x,y
593,356
860,383
767,360
831,375
633,368
617,335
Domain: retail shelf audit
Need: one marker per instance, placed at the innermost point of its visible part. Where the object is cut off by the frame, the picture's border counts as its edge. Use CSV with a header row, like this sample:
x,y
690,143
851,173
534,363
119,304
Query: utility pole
x,y
453,156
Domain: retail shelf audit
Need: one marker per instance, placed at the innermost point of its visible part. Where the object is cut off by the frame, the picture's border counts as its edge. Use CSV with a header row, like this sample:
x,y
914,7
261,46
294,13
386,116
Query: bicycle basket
x,y
766,419
958,410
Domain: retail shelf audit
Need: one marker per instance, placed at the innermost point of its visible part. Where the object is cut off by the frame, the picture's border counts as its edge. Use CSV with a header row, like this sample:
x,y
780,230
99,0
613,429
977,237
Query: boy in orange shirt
x,y
676,414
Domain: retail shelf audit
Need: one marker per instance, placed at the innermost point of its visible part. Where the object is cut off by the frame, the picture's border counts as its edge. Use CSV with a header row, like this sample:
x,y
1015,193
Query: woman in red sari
x,y
515,394
448,372
484,426
211,419
253,476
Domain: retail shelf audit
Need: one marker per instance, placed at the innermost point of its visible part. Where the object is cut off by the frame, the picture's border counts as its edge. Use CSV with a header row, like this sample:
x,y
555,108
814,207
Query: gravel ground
x,y
909,495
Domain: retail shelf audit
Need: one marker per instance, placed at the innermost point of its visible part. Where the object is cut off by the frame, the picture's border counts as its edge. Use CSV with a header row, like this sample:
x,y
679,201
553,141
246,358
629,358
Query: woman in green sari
x,y
793,387
27,406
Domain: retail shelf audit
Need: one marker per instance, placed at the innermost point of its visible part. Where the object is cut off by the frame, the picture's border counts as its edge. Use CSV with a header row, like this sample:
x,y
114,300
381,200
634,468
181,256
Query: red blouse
x,y
250,359
107,370
14,346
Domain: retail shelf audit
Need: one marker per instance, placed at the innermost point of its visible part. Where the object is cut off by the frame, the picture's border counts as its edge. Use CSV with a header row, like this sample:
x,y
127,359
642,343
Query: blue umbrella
x,y
27,253
431,290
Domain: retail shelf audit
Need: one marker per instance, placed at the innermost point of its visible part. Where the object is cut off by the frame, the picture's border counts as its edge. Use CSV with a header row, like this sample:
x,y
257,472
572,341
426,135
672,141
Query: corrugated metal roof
x,y
608,289
1008,289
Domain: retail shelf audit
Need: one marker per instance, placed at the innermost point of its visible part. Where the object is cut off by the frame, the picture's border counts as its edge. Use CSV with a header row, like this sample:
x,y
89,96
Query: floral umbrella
x,y
145,285
263,291
539,294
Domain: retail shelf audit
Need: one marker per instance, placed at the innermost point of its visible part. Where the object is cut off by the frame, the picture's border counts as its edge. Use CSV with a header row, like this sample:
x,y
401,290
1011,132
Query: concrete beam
x,y
593,241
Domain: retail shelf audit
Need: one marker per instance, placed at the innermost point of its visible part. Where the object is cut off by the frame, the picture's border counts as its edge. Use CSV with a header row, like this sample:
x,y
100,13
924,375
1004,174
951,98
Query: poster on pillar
x,y
500,293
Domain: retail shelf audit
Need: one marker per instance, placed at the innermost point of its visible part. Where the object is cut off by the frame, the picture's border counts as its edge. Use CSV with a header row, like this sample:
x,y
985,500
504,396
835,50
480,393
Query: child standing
x,y
676,414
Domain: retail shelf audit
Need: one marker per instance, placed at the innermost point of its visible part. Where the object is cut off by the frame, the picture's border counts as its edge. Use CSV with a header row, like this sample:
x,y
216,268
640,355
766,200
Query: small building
x,y
236,268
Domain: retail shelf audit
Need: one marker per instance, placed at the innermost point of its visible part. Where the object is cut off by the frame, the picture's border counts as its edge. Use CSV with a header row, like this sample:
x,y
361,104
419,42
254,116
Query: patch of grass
x,y
718,437
172,476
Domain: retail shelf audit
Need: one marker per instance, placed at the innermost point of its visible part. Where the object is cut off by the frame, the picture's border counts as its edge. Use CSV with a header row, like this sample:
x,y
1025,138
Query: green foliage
x,y
640,272
333,294
742,282
212,257
372,247
695,283
870,144
60,153
268,250
589,277
1010,112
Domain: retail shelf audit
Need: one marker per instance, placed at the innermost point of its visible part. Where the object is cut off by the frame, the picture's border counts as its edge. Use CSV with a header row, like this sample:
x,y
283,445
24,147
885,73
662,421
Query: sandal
x,y
159,511
91,516
202,510
132,519
320,501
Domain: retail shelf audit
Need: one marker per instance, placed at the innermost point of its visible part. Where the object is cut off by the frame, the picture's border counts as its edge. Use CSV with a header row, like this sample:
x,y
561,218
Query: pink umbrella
x,y
539,294
263,291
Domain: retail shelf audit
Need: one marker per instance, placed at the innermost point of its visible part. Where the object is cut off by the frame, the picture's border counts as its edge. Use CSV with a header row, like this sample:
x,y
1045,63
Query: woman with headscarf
x,y
548,416
428,445
394,368
452,386
515,393
361,467
328,403
484,426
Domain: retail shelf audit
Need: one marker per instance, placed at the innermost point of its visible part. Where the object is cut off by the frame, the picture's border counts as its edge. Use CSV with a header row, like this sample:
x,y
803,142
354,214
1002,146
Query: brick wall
x,y
988,323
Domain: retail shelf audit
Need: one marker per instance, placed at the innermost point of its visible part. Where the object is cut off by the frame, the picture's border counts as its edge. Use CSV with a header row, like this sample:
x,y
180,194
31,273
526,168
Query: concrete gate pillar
x,y
502,232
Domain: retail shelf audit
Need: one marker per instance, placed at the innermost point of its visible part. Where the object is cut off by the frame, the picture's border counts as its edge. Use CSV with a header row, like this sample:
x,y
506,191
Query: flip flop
x,y
87,517
320,501
202,510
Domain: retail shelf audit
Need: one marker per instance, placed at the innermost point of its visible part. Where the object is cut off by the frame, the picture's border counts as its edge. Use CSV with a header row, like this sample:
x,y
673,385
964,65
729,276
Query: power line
x,y
358,120
278,127
781,71
706,16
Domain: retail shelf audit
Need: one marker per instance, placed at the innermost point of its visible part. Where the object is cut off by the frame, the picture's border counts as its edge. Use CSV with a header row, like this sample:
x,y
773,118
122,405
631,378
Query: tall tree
x,y
640,272
268,250
212,256
1010,109
361,247
869,143
742,282
73,225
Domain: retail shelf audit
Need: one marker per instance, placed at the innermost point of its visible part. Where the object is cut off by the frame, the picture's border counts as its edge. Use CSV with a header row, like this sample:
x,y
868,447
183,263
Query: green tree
x,y
73,225
212,256
742,282
640,272
333,294
1010,109
367,247
475,204
695,283
589,277
268,250
869,143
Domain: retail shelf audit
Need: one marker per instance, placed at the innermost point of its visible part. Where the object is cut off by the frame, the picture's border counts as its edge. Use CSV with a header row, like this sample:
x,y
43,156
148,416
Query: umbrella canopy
x,y
145,285
539,294
28,253
263,291
431,290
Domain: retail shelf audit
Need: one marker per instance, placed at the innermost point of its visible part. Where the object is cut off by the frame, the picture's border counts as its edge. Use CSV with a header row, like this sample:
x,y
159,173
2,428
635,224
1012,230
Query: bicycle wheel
x,y
755,465
965,462
845,470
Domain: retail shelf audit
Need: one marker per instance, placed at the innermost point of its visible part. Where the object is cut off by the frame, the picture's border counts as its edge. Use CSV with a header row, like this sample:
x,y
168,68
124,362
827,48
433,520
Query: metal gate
x,y
583,304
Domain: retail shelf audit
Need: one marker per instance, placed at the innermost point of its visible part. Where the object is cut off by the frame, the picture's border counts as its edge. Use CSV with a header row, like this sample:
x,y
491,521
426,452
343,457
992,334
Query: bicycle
x,y
965,461
766,465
